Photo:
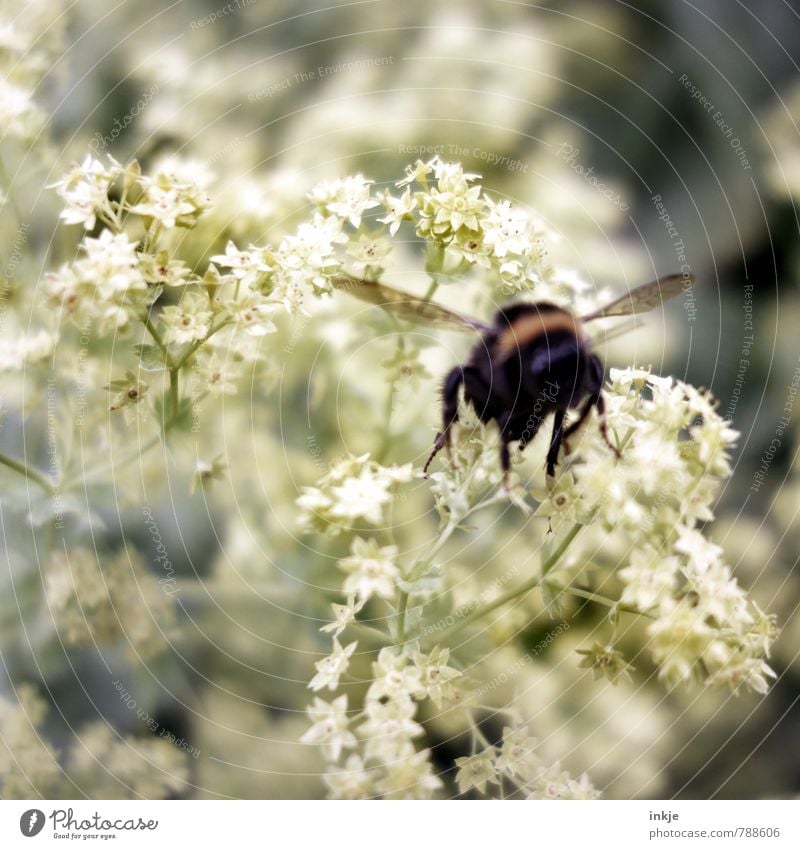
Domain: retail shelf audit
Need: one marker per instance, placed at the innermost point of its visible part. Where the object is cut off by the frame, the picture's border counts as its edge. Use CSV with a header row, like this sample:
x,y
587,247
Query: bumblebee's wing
x,y
407,306
644,298
601,335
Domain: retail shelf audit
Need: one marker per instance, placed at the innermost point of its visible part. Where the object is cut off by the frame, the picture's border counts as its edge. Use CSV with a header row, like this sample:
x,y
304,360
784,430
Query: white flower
x,y
702,553
252,316
476,771
554,783
368,252
747,671
19,115
371,569
352,781
410,777
518,752
15,353
330,727
394,676
649,578
343,615
85,190
307,260
678,639
330,668
165,205
188,322
354,488
170,201
390,729
398,209
246,266
417,173
361,497
506,229
348,198
435,675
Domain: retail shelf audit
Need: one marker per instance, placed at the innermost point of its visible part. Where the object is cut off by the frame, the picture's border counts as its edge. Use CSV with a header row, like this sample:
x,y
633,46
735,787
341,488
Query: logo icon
x,y
31,822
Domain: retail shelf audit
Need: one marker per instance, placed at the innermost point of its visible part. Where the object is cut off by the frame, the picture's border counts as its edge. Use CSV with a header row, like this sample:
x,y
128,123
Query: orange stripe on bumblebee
x,y
528,327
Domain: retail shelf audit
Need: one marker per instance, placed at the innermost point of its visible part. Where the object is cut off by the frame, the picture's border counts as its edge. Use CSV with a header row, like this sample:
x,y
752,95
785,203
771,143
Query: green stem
x,y
608,602
402,607
196,344
151,237
453,524
369,631
512,595
174,395
431,290
26,471
151,328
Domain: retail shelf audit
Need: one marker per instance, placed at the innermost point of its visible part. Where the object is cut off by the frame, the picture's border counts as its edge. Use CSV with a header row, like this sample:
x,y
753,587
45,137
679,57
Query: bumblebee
x,y
534,359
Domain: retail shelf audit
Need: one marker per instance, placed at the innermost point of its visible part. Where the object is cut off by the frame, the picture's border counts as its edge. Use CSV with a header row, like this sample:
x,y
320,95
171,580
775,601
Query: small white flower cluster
x,y
119,278
214,325
107,282
85,191
151,768
451,212
517,761
674,453
166,199
90,602
30,44
25,349
162,198
354,489
386,762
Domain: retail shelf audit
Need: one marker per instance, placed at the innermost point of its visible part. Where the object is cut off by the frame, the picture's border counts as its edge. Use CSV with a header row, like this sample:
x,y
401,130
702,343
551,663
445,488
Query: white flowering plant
x,y
398,707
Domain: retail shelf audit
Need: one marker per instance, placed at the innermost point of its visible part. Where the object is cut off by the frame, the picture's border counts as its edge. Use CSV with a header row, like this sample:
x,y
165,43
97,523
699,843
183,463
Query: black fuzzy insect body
x,y
533,360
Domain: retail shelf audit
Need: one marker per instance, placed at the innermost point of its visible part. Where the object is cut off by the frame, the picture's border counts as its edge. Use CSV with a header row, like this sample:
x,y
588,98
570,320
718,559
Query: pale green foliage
x,y
99,762
192,329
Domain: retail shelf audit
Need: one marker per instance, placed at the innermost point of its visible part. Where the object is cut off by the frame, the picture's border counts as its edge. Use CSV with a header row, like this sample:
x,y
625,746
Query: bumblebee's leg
x,y
505,462
505,454
582,416
601,412
452,383
555,442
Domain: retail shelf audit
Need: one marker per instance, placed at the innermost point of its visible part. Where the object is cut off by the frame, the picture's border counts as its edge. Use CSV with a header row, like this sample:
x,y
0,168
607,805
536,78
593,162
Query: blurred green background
x,y
584,111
